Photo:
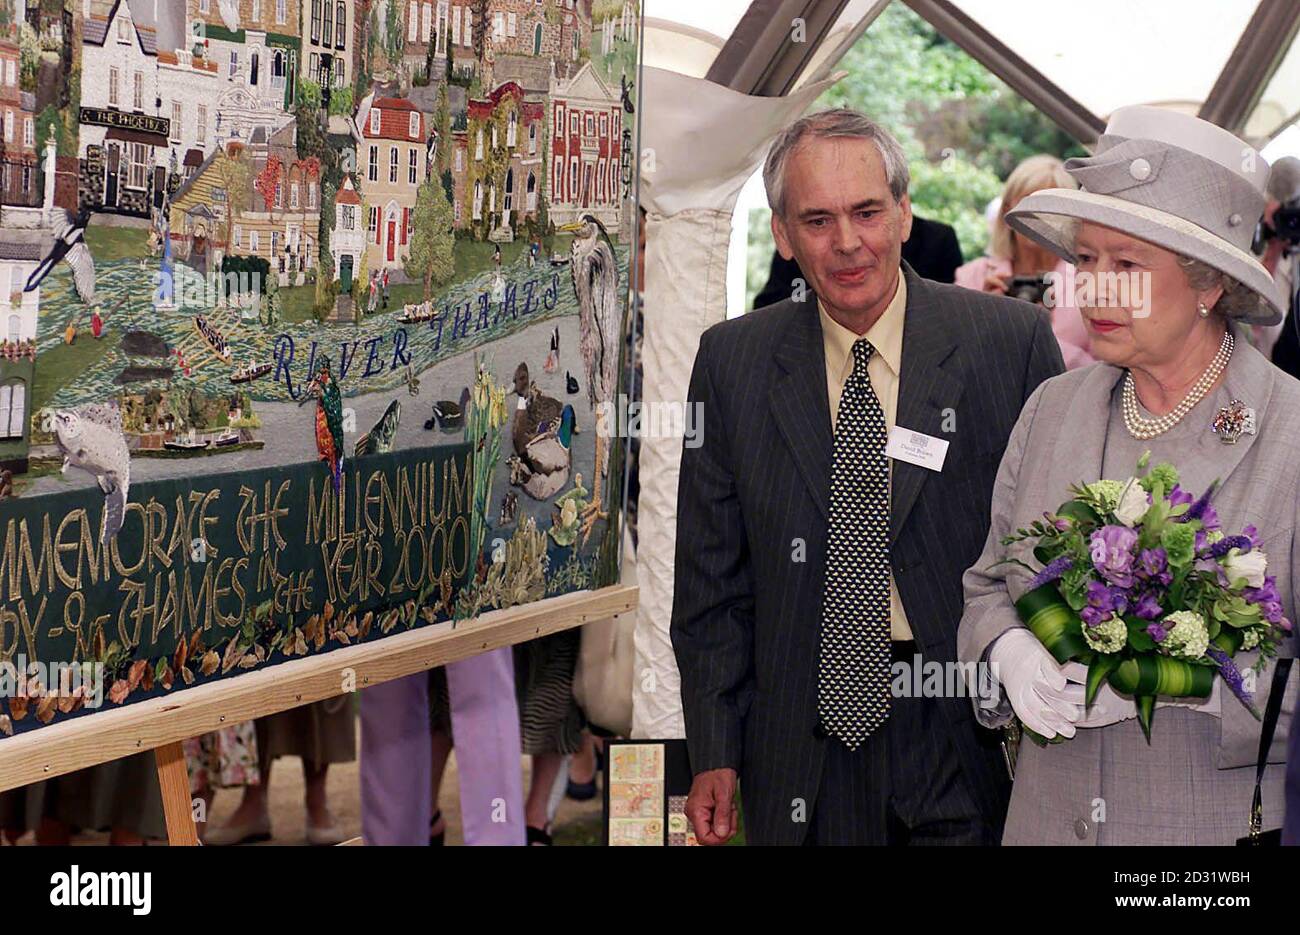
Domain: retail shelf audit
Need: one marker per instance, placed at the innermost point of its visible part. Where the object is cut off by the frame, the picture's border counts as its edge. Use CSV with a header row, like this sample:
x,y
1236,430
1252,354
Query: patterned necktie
x,y
853,668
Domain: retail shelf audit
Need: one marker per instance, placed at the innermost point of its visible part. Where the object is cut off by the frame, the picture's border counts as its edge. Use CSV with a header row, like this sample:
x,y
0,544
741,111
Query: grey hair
x,y
1237,299
839,123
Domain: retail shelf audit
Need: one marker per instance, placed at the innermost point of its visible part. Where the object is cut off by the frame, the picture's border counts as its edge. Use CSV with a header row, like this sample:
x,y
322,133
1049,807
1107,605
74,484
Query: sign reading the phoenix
x,y
94,116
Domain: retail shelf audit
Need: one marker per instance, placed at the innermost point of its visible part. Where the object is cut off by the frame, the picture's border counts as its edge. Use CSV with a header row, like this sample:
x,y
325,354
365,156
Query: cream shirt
x,y
886,336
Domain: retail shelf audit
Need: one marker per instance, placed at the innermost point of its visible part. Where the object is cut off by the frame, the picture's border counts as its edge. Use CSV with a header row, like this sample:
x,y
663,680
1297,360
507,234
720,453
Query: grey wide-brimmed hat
x,y
1173,180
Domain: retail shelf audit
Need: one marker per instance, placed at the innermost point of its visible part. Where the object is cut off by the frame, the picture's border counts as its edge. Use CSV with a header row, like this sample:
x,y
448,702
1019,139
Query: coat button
x,y
1140,169
1080,828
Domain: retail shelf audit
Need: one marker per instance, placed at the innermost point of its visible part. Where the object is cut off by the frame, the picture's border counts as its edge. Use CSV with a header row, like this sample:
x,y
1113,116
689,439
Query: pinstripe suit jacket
x,y
747,605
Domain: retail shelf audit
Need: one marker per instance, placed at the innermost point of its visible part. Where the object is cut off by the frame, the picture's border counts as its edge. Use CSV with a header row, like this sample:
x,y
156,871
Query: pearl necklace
x,y
1143,428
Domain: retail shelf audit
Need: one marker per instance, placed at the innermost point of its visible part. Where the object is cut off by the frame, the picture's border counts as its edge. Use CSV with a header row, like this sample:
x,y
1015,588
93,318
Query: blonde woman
x,y
1011,255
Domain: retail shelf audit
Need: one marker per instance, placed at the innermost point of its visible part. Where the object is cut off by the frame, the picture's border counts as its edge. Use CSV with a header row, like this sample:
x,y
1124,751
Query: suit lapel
x,y
925,390
799,404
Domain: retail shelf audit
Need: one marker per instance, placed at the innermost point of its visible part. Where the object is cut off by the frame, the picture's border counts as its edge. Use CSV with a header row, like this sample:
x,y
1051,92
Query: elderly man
x,y
850,440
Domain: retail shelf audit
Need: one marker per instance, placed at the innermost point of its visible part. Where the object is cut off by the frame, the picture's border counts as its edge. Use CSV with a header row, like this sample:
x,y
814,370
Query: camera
x,y
1028,288
1286,221
1285,226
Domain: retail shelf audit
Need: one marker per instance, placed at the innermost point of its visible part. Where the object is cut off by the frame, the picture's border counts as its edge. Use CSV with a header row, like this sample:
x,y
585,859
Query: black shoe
x,y
539,837
581,791
439,839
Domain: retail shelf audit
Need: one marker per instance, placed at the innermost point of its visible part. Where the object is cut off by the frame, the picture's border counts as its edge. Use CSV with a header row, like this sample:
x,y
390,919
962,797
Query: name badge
x,y
916,448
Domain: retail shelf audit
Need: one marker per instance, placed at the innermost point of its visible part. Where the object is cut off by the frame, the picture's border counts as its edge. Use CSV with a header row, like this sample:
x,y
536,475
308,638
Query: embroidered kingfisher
x,y
329,419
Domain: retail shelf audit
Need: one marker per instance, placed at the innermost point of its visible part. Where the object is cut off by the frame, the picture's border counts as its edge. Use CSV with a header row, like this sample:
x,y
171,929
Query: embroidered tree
x,y
430,259
480,10
442,123
233,172
268,182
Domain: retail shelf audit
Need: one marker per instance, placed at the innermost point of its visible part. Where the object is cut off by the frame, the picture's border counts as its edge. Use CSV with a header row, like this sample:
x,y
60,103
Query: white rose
x,y
1132,504
1249,565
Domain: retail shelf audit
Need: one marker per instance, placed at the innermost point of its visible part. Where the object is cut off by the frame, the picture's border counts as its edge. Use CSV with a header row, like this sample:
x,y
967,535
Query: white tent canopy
x,y
1233,62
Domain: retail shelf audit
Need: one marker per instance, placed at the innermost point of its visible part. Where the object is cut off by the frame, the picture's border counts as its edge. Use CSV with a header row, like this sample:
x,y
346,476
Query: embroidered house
x,y
331,40
497,163
18,140
348,237
586,149
124,143
20,253
255,44
281,217
394,155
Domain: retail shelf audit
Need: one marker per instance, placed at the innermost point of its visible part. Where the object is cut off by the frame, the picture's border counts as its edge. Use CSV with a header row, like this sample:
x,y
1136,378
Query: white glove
x,y
1109,707
1042,697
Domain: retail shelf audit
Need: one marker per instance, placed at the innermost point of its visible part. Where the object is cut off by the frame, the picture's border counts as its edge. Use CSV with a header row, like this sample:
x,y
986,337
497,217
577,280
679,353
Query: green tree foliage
x,y
431,259
29,56
442,122
963,130
393,35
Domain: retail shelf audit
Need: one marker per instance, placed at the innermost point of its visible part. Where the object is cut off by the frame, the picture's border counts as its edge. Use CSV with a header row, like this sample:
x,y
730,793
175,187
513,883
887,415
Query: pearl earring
x,y
1202,310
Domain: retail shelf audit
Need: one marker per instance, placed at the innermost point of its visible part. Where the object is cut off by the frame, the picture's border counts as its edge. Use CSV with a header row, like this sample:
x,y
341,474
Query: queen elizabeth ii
x,y
1168,203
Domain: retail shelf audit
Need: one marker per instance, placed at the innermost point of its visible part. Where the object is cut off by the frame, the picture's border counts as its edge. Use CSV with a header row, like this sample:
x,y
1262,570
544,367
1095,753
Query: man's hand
x,y
711,806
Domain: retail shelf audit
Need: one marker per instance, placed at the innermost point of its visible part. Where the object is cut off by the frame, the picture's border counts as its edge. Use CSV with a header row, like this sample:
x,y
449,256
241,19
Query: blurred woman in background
x,y
1011,256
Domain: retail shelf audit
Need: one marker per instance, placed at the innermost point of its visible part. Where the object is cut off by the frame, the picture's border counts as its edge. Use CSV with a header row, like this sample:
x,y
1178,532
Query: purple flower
x,y
1231,675
1112,553
1251,533
1268,599
1148,608
1103,601
1228,543
1203,510
1179,496
1156,632
1266,593
1153,565
1052,571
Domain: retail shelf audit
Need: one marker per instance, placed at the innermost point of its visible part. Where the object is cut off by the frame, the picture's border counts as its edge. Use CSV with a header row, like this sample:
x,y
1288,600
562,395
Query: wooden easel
x,y
161,724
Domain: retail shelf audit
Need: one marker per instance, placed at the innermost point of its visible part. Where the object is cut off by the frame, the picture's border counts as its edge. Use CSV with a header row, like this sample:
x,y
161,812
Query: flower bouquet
x,y
1141,585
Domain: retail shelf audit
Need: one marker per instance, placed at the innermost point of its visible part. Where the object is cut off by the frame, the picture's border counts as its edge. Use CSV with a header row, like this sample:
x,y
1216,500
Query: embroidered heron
x,y
600,337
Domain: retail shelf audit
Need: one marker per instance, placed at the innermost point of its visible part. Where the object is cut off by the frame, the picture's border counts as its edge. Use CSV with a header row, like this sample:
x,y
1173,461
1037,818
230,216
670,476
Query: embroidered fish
x,y
380,438
91,438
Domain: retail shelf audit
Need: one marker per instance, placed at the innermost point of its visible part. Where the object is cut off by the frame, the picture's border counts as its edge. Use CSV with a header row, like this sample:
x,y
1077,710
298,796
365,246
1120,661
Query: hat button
x,y
1140,169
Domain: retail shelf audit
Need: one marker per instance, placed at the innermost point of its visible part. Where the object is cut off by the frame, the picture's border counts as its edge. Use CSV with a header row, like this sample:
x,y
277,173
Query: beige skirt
x,y
320,733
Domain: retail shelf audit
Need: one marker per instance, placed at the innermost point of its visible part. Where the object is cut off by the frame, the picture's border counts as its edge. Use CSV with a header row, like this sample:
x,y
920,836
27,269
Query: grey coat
x,y
1058,441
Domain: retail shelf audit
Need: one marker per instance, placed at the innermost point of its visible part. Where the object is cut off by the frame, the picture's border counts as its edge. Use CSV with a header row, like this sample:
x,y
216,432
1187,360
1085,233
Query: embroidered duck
x,y
542,433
